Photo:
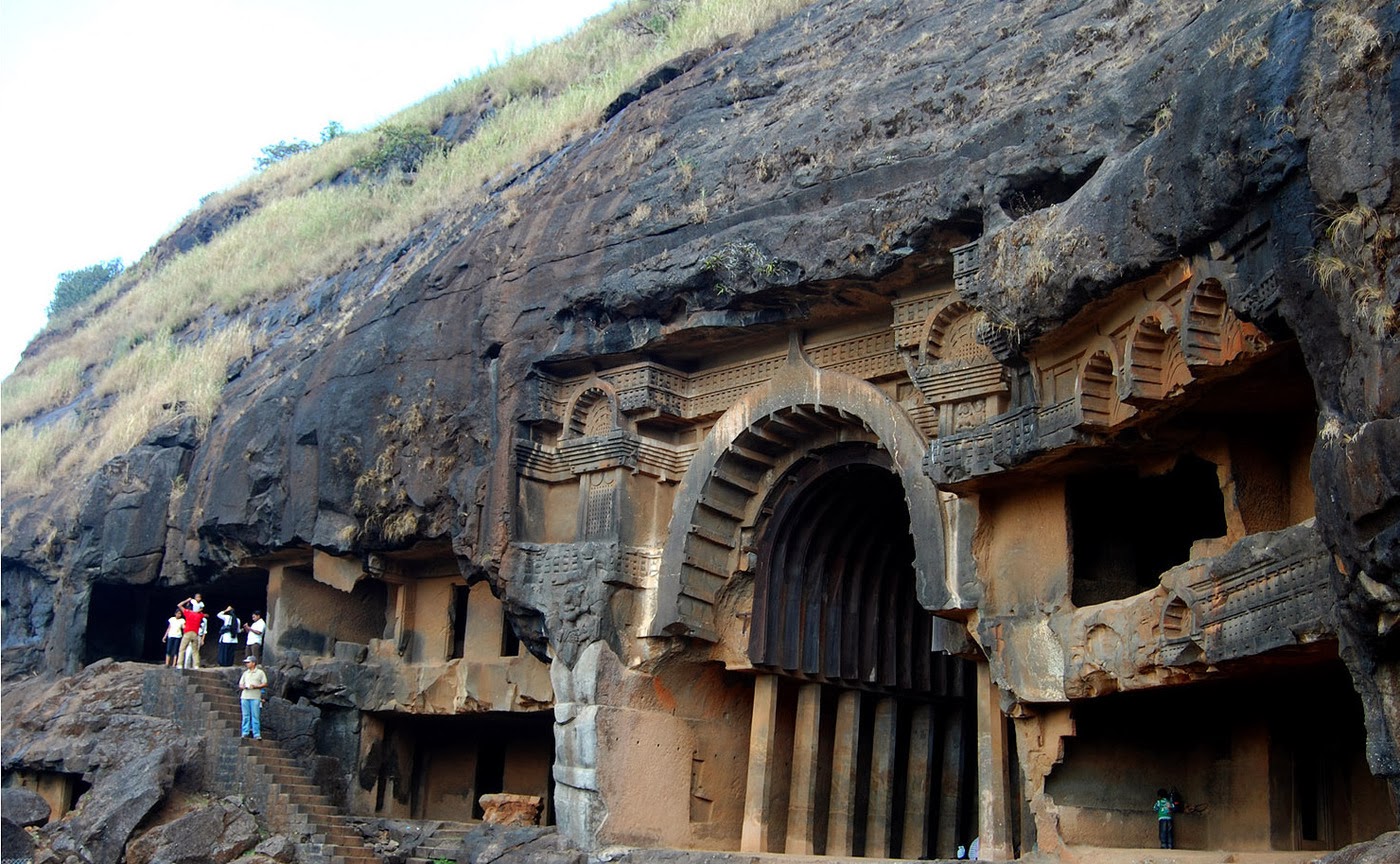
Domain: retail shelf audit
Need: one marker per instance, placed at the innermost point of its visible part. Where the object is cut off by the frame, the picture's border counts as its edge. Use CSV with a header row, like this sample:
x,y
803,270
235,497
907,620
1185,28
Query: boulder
x,y
24,807
505,809
1383,849
214,834
17,843
278,848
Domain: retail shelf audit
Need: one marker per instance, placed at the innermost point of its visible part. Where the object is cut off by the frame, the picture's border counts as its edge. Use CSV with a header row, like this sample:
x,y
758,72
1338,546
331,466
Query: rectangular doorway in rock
x,y
1273,760
438,767
60,789
1127,529
128,622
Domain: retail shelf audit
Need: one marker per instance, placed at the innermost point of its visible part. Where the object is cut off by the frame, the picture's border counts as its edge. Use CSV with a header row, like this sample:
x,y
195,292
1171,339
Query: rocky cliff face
x,y
770,185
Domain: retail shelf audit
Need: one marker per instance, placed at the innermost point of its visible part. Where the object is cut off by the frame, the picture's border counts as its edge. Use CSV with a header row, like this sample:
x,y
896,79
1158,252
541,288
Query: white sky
x,y
117,116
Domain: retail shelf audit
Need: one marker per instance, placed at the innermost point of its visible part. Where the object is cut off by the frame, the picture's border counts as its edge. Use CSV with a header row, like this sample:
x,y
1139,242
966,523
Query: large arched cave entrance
x,y
863,738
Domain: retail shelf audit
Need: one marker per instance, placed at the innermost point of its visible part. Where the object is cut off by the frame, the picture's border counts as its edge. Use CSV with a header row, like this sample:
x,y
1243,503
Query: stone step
x,y
271,756
298,788
320,811
312,817
349,855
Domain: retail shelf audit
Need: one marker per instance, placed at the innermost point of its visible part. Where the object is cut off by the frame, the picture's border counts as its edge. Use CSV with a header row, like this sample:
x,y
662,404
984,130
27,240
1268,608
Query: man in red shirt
x,y
193,637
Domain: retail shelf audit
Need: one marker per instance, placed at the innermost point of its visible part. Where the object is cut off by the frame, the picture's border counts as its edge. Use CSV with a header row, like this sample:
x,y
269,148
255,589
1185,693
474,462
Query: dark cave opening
x,y
438,767
128,622
1127,530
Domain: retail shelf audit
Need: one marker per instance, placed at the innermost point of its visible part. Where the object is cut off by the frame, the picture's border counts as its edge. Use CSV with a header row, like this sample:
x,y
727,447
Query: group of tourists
x,y
186,630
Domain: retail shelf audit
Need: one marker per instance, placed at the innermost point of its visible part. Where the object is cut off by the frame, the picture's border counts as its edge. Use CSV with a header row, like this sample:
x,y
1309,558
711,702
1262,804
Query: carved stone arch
x,y
1152,362
950,335
1180,628
833,596
1180,619
745,453
1096,390
1203,327
593,410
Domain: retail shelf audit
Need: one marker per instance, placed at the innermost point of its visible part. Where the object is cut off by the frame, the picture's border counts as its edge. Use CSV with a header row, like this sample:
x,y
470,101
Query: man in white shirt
x,y
229,631
255,633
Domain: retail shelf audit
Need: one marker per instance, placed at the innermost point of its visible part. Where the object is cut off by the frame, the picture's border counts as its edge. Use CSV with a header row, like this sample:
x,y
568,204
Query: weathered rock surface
x,y
506,809
217,833
1378,851
91,725
275,848
24,807
15,840
510,843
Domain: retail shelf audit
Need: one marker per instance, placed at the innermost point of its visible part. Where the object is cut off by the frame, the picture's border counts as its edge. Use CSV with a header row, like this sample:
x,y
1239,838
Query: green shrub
x,y
75,286
401,148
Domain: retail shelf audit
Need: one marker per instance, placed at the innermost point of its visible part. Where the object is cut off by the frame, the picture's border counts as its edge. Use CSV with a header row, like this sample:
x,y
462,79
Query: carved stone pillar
x,y
841,816
762,743
806,754
879,823
994,822
952,732
918,784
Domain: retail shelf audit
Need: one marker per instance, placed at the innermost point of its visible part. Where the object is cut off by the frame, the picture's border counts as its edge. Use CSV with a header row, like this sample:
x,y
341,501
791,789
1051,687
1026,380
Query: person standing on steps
x,y
229,630
190,641
255,635
250,686
174,630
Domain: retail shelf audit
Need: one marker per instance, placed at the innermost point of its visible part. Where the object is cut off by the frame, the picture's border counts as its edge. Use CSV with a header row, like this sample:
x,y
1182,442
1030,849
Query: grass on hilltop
x,y
128,342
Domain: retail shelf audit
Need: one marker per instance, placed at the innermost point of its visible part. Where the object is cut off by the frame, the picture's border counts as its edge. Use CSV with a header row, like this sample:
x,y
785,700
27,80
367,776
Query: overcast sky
x,y
119,115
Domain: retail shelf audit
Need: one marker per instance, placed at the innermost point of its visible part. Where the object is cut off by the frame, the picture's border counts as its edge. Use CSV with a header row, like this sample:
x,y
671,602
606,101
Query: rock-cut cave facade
x,y
875,588
835,547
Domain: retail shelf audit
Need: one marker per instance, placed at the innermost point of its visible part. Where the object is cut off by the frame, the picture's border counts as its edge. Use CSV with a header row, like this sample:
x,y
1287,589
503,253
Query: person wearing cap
x,y
251,684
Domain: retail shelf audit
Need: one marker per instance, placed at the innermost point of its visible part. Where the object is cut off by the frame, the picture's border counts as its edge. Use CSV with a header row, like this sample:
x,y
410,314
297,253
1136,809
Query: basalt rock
x,y
91,726
218,832
25,807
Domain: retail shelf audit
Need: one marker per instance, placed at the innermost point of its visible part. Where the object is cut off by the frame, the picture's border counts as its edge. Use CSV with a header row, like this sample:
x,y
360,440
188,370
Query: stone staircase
x,y
443,841
260,770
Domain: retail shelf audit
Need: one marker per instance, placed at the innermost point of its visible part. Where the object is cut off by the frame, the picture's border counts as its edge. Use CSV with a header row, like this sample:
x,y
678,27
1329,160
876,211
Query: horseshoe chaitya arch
x,y
732,471
833,592
593,411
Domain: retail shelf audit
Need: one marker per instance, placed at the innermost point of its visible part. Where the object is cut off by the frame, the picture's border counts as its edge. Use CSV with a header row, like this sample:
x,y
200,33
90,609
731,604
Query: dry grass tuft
x,y
1351,261
1026,255
28,456
1355,37
51,385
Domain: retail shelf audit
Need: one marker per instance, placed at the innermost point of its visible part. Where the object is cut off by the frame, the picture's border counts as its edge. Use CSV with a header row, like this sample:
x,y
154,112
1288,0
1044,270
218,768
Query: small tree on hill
x,y
75,286
274,153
